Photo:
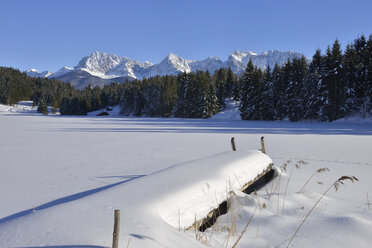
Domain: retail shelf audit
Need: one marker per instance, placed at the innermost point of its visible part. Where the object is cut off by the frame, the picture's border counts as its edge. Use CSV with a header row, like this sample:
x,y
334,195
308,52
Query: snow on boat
x,y
200,188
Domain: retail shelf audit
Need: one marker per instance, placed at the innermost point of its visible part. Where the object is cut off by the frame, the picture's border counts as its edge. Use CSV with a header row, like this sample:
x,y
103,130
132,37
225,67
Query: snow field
x,y
62,177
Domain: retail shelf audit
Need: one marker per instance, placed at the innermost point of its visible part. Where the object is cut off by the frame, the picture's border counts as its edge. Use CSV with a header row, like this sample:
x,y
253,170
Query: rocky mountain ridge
x,y
100,68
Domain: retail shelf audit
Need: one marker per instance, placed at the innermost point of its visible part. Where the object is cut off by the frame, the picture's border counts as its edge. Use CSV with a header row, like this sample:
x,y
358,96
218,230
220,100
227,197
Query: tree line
x,y
187,95
333,85
16,86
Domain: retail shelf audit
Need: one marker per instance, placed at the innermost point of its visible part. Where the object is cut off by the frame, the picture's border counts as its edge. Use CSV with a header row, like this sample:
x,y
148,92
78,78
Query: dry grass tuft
x,y
297,165
336,185
244,230
341,180
277,186
318,171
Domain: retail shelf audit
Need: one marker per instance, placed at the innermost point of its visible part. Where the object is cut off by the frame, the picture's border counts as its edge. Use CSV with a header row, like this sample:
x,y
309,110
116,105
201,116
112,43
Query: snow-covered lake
x,y
62,177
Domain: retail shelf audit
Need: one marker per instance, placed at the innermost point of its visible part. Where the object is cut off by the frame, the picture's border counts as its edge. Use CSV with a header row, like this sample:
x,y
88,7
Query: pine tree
x,y
86,98
246,84
213,106
139,100
65,106
220,82
231,85
362,82
55,105
368,61
282,90
168,96
349,65
316,95
42,107
96,102
267,96
252,94
202,106
296,89
276,83
127,101
184,95
335,82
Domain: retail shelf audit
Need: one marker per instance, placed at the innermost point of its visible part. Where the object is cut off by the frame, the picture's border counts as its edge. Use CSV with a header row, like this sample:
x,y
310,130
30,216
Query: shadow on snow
x,y
174,125
63,200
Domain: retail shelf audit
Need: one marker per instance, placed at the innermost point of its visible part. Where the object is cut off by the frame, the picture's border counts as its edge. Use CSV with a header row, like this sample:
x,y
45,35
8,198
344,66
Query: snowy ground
x,y
62,177
22,107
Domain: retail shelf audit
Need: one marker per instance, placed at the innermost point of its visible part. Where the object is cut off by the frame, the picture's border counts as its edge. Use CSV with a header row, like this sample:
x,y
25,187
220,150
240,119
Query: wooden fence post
x,y
115,240
263,145
233,146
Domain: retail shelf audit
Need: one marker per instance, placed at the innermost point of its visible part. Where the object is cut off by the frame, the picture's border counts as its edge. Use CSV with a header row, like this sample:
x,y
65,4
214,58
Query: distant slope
x,y
80,79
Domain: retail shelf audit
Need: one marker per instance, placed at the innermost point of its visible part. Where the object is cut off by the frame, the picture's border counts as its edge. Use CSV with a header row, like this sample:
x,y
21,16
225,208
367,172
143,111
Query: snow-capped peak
x,y
238,60
99,62
240,55
178,62
36,73
111,67
147,64
173,56
61,72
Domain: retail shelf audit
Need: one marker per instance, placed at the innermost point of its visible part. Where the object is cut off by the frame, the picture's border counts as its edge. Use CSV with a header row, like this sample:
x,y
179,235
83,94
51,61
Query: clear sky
x,y
49,34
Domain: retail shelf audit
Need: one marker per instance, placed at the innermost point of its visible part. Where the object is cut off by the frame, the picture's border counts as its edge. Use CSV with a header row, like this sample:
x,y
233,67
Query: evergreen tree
x,y
127,101
42,107
282,90
96,102
139,100
267,96
252,94
184,93
316,95
213,106
55,105
247,89
168,96
202,89
277,91
368,61
220,82
86,98
335,82
65,106
349,65
231,86
296,89
362,84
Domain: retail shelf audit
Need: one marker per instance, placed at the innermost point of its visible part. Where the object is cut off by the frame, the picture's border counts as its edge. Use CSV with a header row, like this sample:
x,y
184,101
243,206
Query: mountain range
x,y
101,68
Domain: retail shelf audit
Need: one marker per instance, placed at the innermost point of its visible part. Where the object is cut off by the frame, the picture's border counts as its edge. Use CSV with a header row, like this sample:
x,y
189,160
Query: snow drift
x,y
198,187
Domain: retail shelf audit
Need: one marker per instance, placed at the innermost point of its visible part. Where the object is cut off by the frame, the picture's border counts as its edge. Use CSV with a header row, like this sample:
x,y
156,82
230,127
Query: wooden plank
x,y
212,216
115,239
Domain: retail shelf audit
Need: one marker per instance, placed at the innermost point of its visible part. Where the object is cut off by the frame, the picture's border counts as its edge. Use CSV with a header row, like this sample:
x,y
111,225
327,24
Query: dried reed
x,y
336,185
318,171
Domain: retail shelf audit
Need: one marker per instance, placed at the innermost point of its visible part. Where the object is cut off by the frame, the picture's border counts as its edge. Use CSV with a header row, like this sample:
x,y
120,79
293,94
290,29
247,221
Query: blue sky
x,y
49,34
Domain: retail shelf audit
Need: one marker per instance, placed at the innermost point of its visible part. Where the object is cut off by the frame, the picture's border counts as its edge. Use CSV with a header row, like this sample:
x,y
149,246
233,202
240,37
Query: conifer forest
x,y
334,85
